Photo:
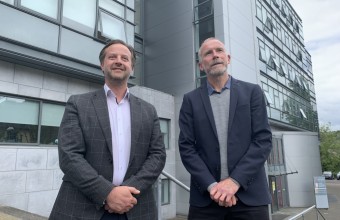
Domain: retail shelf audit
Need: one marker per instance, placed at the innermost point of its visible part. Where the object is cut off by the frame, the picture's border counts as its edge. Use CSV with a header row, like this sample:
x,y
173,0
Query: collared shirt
x,y
120,122
211,90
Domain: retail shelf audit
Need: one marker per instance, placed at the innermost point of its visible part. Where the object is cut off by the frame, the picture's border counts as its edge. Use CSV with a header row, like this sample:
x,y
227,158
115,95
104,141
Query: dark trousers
x,y
238,212
113,216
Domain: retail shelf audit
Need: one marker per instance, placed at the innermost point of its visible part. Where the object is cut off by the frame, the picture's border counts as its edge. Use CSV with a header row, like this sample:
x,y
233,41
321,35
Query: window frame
x,y
39,124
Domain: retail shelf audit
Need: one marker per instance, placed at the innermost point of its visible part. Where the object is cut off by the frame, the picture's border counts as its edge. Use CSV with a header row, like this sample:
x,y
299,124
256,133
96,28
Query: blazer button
x,y
217,149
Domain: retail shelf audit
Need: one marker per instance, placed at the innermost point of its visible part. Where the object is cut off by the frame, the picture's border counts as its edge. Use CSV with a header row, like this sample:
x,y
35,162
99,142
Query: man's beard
x,y
217,71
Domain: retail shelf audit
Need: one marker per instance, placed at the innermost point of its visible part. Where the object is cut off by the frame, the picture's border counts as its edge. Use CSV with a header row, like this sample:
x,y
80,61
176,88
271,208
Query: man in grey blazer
x,y
110,148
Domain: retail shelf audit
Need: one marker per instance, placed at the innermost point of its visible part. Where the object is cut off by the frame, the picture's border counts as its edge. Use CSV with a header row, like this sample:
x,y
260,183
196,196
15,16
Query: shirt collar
x,y
211,90
109,91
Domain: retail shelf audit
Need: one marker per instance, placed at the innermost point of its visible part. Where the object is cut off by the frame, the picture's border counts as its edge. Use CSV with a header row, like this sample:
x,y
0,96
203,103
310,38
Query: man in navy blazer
x,y
110,148
224,142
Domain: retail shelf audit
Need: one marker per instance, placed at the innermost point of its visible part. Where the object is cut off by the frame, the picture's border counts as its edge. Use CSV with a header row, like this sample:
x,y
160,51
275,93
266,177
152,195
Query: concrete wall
x,y
164,104
235,26
302,154
170,65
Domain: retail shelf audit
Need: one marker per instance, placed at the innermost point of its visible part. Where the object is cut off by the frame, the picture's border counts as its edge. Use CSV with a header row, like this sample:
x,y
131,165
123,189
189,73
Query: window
x,y
8,1
110,27
113,23
304,84
290,19
299,55
298,80
164,123
204,28
276,3
268,25
50,121
303,115
83,19
21,122
203,9
272,63
296,27
284,10
45,7
18,120
285,107
138,18
291,75
268,98
165,198
263,55
283,70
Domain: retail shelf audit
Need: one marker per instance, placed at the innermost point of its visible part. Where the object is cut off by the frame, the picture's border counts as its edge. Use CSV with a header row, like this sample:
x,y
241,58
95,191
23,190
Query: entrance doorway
x,y
277,185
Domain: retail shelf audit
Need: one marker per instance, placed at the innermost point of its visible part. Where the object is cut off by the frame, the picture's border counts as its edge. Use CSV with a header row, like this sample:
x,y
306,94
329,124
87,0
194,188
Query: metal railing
x,y
303,214
159,190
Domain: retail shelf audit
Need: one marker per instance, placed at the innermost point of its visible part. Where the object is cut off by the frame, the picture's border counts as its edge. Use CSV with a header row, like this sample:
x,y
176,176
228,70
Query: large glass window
x,y
83,18
26,121
110,27
204,28
45,7
115,21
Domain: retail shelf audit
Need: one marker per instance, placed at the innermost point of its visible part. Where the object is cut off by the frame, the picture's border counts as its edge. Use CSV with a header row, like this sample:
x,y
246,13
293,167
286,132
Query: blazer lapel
x,y
101,108
136,116
207,107
233,101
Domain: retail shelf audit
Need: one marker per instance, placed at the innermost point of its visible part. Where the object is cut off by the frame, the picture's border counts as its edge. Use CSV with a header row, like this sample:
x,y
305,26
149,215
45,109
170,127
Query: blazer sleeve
x,y
200,174
260,136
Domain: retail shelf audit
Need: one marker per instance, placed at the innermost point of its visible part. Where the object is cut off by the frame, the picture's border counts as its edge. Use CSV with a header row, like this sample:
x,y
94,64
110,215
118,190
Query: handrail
x,y
176,181
304,212
159,205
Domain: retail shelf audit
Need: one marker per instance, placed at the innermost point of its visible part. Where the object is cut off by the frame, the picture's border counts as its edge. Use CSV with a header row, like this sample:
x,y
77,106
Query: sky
x,y
321,31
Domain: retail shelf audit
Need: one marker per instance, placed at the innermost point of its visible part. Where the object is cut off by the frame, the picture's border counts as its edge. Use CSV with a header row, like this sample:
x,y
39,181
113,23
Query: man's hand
x,y
121,199
224,193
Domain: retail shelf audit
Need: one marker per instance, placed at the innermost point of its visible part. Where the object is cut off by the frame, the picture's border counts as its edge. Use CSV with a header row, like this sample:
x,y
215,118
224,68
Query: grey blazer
x,y
85,157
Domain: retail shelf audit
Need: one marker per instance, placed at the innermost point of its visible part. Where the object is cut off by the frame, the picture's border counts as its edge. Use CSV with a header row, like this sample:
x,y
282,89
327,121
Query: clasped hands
x,y
121,199
224,192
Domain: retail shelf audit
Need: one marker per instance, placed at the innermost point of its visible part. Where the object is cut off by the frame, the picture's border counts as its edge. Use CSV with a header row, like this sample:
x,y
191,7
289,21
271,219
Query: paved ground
x,y
333,213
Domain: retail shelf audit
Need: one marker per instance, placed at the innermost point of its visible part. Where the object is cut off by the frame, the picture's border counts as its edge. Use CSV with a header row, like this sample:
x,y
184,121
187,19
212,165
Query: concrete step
x,y
10,213
179,217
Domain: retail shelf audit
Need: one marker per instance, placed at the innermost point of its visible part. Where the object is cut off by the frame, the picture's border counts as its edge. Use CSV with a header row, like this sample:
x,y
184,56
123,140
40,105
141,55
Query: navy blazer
x,y
249,143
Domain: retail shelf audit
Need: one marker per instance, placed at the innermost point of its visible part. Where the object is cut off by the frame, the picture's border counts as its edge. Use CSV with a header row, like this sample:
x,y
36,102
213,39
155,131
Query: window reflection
x,y
18,120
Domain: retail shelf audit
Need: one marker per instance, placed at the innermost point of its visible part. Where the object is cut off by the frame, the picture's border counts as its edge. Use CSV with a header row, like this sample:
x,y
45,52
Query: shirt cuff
x,y
211,186
234,181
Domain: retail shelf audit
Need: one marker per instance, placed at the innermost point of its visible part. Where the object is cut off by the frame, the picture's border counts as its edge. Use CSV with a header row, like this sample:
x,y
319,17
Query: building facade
x,y
49,51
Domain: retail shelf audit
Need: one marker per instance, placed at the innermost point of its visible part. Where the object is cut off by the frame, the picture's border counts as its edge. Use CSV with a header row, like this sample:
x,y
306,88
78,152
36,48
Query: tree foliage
x,y
330,148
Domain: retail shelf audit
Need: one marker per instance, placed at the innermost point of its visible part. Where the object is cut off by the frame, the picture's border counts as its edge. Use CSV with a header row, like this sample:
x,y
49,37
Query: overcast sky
x,y
321,28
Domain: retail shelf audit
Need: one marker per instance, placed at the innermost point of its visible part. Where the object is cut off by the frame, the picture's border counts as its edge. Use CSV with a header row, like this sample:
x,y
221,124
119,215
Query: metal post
x,y
159,198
